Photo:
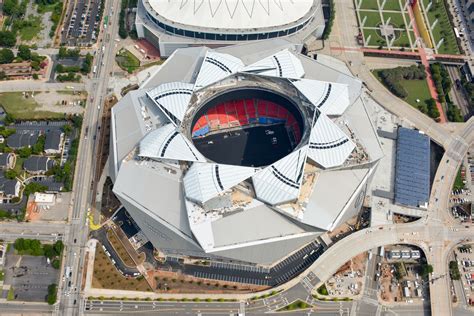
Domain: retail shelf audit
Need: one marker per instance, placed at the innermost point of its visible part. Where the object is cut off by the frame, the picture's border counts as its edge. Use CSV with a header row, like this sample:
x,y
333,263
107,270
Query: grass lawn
x,y
458,184
373,18
369,4
375,38
19,165
443,29
417,89
403,40
106,275
24,109
396,19
296,305
27,33
127,61
392,5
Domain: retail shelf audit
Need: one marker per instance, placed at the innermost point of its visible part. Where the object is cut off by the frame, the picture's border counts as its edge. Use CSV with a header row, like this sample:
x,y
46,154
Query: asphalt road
x,y
85,167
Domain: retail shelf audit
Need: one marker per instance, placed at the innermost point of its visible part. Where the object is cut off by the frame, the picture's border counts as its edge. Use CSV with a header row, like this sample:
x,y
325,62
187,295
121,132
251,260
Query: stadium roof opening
x,y
247,127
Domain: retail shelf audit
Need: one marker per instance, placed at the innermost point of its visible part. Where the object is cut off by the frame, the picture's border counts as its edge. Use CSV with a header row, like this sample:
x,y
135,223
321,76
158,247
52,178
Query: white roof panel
x,y
173,99
203,181
282,64
232,14
215,67
281,182
329,98
167,143
328,145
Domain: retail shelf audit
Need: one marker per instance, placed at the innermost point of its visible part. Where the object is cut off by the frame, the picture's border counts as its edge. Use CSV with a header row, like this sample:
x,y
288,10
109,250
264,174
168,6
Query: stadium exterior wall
x,y
168,38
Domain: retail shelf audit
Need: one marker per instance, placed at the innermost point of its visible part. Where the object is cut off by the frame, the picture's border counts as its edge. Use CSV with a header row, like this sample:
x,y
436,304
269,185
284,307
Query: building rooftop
x,y
8,186
412,168
38,163
232,14
19,140
53,140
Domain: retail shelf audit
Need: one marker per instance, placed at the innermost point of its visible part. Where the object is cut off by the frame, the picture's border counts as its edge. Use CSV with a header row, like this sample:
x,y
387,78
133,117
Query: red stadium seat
x,y
272,109
202,121
282,112
212,114
250,108
262,108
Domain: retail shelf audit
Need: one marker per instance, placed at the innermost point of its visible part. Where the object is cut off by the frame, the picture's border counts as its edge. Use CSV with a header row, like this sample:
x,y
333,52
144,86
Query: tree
x,y
426,269
24,152
38,148
6,56
67,129
10,7
58,247
56,264
52,293
33,187
19,244
7,39
11,174
24,52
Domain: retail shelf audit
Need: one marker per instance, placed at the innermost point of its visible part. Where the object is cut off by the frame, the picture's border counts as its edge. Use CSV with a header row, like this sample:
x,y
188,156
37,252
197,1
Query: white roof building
x,y
189,204
183,23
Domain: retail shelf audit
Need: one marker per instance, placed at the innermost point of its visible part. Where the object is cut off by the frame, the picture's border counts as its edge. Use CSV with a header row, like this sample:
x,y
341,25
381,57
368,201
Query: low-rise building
x,y
7,161
406,254
54,142
394,254
415,254
38,164
21,70
20,140
9,189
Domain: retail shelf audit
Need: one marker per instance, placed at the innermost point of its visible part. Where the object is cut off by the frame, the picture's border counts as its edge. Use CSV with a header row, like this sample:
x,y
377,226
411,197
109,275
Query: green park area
x,y
21,108
371,18
392,5
443,28
127,61
409,84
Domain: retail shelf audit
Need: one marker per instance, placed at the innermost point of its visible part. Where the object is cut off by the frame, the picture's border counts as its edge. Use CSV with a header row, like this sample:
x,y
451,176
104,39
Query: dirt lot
x,y
348,280
61,101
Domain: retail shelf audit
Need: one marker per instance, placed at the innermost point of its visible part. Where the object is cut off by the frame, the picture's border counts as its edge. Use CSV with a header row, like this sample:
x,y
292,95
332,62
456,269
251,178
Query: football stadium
x,y
244,153
177,24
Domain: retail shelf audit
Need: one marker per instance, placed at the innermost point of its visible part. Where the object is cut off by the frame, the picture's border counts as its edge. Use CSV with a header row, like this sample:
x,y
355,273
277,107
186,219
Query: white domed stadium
x,y
244,153
172,24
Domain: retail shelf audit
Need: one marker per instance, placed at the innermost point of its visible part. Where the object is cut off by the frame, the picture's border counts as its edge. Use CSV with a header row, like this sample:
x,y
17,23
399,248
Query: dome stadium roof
x,y
232,14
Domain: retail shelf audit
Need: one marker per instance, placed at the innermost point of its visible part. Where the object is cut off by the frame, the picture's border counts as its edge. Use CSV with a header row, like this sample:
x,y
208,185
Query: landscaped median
x,y
296,305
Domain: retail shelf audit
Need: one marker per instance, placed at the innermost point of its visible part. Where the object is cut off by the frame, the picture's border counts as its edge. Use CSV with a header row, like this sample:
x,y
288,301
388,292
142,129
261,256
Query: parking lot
x,y
29,276
464,256
82,23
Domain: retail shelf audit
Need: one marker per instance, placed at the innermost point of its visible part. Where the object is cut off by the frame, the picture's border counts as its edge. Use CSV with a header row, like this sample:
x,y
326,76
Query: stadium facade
x,y
243,153
182,23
